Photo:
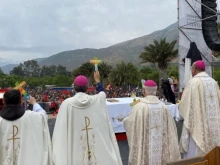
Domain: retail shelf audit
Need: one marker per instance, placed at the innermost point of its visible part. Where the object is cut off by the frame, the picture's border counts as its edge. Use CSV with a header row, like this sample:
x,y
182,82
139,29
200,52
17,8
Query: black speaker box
x,y
209,25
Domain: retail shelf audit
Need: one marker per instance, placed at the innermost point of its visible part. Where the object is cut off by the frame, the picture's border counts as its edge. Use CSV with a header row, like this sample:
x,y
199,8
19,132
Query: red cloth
x,y
45,98
90,89
53,105
121,136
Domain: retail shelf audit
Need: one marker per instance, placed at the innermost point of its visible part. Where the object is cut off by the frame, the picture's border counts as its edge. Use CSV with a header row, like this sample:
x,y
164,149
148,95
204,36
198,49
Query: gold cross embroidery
x,y
87,122
156,127
211,96
15,132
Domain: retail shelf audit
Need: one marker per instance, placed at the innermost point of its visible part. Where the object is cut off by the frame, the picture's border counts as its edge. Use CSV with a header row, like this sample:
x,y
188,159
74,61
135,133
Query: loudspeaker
x,y
209,25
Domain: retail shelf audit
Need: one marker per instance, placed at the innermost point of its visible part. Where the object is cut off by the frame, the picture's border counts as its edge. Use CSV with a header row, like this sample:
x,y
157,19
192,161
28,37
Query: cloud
x,y
43,28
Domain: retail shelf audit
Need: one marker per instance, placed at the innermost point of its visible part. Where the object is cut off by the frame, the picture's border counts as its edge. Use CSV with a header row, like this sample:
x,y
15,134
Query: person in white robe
x,y
24,135
151,131
200,110
83,133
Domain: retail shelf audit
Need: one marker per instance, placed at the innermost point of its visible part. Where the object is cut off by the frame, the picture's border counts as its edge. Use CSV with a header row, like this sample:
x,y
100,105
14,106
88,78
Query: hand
x,y
32,100
97,76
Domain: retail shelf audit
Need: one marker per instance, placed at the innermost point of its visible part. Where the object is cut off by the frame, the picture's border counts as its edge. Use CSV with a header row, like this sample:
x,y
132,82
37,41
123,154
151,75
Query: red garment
x,y
45,98
53,105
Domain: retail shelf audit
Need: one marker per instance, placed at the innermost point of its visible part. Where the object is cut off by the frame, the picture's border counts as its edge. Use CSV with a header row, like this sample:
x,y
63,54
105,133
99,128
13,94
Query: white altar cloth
x,y
119,110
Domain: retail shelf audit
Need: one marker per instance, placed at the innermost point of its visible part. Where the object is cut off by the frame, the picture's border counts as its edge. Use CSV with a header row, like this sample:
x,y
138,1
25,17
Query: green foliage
x,y
28,69
48,70
9,81
216,75
104,70
32,69
54,70
85,69
58,80
148,73
160,52
17,71
62,80
173,71
124,74
1,71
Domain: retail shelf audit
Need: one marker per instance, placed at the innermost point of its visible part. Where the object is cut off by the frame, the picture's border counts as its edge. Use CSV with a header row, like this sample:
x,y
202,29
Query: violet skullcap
x,y
81,81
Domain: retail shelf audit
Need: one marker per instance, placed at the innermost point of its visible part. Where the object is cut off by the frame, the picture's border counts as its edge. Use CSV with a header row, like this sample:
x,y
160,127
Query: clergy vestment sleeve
x,y
100,87
48,151
38,108
60,149
102,95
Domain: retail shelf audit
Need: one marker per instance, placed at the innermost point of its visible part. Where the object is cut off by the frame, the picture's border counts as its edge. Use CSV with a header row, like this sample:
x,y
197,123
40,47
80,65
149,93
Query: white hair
x,y
150,90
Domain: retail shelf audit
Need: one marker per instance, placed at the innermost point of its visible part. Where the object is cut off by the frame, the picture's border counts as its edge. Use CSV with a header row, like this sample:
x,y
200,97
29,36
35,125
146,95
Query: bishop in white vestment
x,y
151,131
24,135
200,109
83,134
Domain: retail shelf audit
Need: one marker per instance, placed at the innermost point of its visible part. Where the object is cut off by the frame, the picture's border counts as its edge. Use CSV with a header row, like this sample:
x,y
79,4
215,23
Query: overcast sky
x,y
40,28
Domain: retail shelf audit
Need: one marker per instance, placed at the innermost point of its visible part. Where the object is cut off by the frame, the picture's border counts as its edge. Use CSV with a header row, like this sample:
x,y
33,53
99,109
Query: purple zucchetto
x,y
81,81
150,83
200,64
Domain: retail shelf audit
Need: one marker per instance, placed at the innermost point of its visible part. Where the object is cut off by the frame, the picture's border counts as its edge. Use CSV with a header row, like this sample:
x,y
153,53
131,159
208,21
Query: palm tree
x,y
104,70
125,74
160,53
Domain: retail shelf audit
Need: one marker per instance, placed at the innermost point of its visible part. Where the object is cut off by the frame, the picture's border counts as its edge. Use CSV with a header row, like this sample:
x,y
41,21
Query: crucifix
x,y
95,61
87,122
15,132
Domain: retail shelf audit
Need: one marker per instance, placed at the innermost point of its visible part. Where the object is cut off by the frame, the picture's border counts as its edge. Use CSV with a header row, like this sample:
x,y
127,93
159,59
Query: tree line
x,y
160,53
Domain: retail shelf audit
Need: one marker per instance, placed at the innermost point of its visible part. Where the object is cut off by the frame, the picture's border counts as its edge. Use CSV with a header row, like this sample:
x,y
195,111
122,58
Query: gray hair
x,y
150,90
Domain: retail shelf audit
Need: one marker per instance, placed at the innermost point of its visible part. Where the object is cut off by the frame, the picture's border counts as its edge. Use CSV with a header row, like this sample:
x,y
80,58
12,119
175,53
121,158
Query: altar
x,y
119,110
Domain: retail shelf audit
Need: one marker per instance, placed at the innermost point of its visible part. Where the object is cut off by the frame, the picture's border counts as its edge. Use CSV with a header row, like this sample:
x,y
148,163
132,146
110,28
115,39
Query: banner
x,y
190,30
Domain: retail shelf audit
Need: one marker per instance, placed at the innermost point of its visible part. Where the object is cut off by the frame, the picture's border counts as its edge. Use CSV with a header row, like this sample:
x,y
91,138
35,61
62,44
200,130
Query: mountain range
x,y
127,51
4,61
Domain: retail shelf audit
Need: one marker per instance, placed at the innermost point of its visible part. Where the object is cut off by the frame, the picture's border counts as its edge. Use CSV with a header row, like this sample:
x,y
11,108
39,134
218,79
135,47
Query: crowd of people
x,y
50,99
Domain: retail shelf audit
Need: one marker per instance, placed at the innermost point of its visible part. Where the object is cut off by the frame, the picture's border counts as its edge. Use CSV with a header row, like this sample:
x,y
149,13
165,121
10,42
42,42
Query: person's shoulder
x,y
136,102
139,104
213,80
32,114
101,95
67,101
195,81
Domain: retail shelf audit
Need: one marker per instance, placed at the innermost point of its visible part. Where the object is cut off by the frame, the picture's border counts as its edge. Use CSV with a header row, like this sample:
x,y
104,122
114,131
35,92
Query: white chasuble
x,y
83,134
25,141
200,109
151,133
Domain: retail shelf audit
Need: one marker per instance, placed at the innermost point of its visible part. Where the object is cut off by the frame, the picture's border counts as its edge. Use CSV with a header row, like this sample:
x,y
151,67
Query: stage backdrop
x,y
190,30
